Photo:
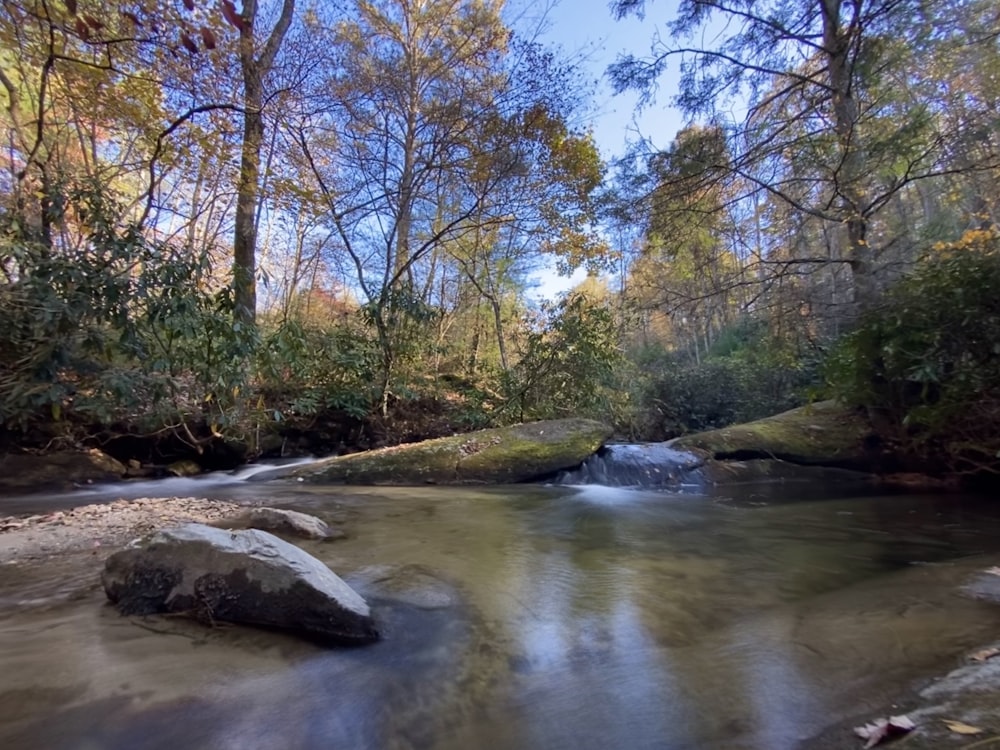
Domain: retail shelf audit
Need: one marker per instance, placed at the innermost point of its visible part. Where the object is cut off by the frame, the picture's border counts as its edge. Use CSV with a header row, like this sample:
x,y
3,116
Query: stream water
x,y
523,617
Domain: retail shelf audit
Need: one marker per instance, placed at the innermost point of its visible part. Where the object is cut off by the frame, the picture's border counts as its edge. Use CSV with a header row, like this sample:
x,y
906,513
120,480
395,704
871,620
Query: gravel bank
x,y
96,527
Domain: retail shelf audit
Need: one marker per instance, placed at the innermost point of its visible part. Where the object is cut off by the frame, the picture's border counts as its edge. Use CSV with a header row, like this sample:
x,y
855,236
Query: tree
x,y
431,152
686,269
255,67
827,129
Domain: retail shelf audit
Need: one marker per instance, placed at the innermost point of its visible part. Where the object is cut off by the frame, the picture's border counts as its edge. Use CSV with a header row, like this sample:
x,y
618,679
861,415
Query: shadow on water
x,y
528,617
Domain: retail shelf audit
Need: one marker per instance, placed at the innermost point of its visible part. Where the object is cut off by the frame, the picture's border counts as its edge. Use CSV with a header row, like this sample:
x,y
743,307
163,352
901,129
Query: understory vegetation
x,y
299,227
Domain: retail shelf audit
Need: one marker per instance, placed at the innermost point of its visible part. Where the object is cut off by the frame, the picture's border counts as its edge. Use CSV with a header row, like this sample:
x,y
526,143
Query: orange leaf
x,y
189,44
133,18
207,37
71,7
82,29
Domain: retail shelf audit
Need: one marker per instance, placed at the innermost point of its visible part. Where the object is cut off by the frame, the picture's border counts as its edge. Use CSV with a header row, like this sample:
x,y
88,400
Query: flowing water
x,y
520,618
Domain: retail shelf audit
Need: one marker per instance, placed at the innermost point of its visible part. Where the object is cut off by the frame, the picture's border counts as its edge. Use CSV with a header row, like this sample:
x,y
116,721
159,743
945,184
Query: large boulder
x,y
26,471
248,577
498,456
821,434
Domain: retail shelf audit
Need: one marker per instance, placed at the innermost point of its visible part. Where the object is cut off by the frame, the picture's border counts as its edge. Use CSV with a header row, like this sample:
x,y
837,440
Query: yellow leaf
x,y
986,653
959,727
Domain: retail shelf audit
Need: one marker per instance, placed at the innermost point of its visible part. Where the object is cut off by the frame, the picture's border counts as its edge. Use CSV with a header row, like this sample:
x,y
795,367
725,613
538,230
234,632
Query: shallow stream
x,y
520,618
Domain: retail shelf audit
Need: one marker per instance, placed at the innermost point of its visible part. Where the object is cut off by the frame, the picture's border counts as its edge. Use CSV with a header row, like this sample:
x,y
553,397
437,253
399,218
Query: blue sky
x,y
586,31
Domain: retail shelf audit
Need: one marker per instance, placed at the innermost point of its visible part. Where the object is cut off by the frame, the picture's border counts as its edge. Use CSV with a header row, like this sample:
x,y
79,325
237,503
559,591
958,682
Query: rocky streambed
x,y
99,528
545,617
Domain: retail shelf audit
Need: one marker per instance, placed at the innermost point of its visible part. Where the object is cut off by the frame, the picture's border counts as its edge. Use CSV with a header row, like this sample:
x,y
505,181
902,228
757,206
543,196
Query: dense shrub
x,y
926,363
115,328
748,374
305,369
570,367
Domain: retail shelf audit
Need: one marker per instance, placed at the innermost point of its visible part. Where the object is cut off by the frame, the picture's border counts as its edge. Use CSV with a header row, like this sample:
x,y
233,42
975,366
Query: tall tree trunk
x,y
254,68
498,324
838,46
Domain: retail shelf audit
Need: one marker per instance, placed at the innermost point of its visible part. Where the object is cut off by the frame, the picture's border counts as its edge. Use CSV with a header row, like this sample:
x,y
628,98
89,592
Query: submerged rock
x,y
498,456
249,577
414,585
291,522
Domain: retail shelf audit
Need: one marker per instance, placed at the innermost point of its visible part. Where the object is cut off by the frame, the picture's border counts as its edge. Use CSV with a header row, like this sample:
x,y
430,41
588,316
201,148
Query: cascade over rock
x,y
654,465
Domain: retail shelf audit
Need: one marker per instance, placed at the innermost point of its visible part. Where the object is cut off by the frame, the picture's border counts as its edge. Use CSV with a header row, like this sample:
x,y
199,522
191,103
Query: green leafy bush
x,y
749,373
306,369
115,328
926,363
570,367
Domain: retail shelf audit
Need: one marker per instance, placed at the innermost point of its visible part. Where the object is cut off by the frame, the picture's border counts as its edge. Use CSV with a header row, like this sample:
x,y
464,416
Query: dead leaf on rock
x,y
884,729
986,653
960,727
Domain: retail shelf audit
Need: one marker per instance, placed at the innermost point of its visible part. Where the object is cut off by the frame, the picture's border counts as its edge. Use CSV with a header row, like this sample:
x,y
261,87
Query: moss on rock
x,y
502,455
821,434
57,470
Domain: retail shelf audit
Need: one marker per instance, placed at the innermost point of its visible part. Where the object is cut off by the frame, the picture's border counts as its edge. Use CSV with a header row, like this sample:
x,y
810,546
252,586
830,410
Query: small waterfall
x,y
636,465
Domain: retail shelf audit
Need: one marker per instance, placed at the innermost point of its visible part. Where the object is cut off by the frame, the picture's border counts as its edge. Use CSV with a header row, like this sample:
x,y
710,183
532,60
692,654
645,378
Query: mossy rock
x,y
498,456
57,470
821,434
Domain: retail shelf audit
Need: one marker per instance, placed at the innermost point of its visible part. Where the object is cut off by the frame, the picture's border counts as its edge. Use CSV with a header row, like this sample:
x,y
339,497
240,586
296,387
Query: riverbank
x,y
952,710
101,528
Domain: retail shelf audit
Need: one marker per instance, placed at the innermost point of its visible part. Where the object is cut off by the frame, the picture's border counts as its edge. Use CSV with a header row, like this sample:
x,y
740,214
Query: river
x,y
524,617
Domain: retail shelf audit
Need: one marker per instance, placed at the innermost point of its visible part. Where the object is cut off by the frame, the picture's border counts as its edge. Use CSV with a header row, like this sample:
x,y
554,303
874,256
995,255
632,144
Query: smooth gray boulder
x,y
291,522
248,577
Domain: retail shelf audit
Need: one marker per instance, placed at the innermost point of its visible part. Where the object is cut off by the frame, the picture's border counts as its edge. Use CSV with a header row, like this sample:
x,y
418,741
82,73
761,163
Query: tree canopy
x,y
257,215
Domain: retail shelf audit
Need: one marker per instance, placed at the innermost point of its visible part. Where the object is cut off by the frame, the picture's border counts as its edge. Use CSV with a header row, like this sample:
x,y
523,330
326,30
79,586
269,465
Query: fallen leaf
x,y
884,729
960,727
986,653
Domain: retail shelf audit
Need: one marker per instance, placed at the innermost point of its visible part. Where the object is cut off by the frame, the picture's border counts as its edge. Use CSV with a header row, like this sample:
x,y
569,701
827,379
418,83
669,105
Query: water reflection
x,y
561,618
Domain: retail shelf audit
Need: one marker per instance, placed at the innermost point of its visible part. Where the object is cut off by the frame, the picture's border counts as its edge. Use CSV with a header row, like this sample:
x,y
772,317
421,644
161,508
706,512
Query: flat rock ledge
x,y
820,434
246,577
503,455
62,470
